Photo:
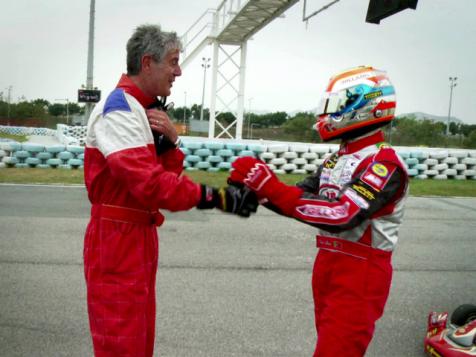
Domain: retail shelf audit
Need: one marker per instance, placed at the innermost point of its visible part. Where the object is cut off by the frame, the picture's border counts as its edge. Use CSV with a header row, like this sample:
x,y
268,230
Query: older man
x,y
129,177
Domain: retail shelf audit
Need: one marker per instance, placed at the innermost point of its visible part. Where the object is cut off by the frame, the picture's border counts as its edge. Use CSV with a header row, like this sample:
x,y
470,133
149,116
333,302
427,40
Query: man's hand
x,y
160,122
232,199
254,174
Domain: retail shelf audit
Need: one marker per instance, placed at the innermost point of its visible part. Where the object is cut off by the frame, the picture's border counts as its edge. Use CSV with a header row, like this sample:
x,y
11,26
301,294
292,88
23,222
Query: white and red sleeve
x,y
376,187
124,138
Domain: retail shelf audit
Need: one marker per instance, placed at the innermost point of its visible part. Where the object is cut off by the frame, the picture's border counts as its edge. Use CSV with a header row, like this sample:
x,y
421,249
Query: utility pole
x,y
205,65
249,117
452,85
185,108
89,78
251,129
9,98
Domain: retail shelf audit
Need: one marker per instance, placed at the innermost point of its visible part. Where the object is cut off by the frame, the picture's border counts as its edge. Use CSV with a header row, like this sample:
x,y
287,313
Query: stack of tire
x,y
33,155
215,156
76,132
296,158
23,130
441,164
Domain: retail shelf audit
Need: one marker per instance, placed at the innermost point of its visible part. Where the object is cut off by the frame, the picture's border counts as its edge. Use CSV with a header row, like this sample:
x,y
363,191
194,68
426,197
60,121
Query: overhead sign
x,y
380,9
89,95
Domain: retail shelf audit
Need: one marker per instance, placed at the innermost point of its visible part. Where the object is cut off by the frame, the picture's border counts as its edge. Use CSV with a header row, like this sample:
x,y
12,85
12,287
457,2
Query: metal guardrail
x,y
214,20
198,27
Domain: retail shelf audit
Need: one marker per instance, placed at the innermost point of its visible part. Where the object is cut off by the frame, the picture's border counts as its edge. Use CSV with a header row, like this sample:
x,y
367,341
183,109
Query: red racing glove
x,y
254,174
257,176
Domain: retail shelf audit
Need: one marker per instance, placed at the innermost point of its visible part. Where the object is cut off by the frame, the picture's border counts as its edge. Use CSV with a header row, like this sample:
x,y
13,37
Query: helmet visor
x,y
337,102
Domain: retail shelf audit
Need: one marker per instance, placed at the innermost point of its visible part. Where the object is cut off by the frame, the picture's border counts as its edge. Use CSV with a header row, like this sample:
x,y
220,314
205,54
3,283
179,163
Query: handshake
x,y
247,183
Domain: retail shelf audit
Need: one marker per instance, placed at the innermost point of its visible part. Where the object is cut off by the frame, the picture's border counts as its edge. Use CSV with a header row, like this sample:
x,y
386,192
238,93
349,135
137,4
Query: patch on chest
x,y
344,169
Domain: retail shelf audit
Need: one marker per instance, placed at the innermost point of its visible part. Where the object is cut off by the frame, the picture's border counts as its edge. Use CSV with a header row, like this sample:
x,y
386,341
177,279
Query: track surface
x,y
226,286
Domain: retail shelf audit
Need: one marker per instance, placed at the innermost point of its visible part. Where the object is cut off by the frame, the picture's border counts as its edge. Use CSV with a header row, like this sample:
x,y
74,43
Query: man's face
x,y
160,76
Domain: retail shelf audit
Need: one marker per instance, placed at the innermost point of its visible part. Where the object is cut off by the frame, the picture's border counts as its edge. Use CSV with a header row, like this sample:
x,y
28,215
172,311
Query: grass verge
x,y
19,138
445,188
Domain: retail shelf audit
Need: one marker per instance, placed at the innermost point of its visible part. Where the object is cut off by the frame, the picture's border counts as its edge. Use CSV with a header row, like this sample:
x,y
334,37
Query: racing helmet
x,y
356,101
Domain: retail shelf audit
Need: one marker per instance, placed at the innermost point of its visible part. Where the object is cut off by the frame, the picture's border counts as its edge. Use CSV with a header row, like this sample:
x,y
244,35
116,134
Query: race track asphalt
x,y
226,286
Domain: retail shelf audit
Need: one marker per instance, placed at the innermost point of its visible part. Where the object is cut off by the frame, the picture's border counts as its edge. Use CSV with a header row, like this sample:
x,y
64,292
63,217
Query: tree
x,y
270,119
226,117
39,101
3,108
178,113
412,132
195,112
56,109
455,128
470,141
73,108
302,127
466,129
24,110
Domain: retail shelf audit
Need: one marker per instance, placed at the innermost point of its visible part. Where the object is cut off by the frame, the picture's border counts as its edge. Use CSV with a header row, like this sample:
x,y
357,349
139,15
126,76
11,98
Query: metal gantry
x,y
228,28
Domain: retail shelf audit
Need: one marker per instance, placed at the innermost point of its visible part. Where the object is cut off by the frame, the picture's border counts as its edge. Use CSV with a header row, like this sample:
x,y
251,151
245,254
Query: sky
x,y
43,51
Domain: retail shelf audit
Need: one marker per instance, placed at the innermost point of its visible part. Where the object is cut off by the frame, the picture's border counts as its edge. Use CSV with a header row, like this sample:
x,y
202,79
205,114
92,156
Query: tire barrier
x,y
213,155
440,164
71,135
14,154
24,130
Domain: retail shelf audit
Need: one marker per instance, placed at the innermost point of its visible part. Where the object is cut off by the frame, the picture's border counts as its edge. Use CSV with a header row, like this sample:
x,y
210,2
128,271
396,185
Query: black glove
x,y
311,183
232,199
161,142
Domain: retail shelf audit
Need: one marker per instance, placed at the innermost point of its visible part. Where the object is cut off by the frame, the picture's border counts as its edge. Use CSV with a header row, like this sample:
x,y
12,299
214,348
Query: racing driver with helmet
x,y
355,200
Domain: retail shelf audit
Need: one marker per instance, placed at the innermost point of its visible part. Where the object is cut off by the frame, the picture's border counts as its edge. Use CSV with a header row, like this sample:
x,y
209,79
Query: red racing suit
x,y
356,200
127,184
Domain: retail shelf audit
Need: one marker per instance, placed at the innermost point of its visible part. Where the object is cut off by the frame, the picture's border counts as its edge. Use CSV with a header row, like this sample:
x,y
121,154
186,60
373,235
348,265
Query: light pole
x,y
9,98
251,129
249,116
185,108
452,85
67,109
89,76
205,65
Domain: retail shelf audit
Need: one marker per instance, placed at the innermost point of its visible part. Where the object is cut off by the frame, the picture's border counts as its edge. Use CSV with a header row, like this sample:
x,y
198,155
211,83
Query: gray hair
x,y
149,40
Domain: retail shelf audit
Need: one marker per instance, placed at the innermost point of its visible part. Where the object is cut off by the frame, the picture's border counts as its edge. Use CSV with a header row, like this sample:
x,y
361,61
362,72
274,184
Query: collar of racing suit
x,y
350,147
130,87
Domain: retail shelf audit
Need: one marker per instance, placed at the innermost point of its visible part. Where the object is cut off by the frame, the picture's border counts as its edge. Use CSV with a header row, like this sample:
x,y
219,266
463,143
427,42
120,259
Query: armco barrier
x,y
214,155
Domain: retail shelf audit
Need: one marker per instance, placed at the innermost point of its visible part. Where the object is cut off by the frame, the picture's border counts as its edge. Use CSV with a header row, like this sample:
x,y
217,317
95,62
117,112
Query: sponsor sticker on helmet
x,y
373,95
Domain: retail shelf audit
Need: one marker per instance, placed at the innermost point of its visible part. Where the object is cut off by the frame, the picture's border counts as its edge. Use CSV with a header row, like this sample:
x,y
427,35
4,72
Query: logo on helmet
x,y
373,95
